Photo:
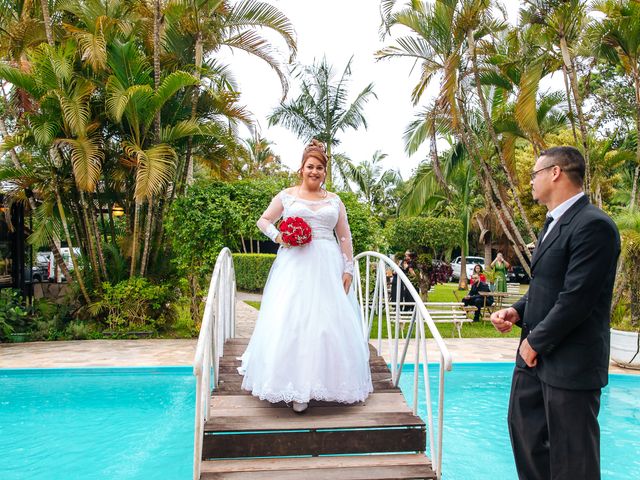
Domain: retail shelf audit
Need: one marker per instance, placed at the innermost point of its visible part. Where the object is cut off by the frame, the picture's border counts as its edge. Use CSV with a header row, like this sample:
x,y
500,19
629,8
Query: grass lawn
x,y
444,293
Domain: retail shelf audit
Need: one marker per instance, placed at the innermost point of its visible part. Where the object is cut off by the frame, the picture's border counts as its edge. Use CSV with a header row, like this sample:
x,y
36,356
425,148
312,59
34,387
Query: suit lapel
x,y
557,229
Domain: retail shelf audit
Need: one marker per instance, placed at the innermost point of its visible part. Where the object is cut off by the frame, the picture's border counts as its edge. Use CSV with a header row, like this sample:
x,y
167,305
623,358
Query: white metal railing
x,y
218,325
374,300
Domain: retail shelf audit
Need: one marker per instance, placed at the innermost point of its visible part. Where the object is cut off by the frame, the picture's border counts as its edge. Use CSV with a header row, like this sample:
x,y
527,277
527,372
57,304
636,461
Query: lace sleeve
x,y
343,232
269,217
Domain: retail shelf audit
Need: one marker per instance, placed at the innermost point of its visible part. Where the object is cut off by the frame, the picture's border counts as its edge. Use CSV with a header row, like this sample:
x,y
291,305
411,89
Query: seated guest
x,y
474,299
477,268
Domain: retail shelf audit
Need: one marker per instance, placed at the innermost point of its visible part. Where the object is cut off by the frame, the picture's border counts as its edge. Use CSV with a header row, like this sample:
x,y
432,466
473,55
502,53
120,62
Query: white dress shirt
x,y
557,212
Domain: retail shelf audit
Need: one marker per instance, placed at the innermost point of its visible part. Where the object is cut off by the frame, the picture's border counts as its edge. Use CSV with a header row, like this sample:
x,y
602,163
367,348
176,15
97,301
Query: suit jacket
x,y
476,288
566,312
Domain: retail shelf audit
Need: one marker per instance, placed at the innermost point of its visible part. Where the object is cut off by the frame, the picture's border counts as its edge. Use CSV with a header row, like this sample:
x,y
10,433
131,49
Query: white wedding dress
x,y
308,342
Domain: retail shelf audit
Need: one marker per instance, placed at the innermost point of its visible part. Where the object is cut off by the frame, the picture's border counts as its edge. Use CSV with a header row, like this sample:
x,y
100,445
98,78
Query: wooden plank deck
x,y
246,438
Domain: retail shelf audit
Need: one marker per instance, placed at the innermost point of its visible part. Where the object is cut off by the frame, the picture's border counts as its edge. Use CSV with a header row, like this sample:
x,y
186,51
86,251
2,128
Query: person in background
x,y
477,268
474,299
500,266
407,265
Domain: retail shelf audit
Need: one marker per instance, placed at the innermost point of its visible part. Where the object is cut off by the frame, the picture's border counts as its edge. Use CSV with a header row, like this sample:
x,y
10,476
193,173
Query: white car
x,y
66,256
471,262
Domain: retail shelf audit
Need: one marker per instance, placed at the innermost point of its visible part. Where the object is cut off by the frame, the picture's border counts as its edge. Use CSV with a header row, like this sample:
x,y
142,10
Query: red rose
x,y
295,231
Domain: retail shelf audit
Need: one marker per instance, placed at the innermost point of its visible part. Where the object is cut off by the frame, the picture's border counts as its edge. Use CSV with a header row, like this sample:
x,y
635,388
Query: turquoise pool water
x,y
476,439
97,423
135,424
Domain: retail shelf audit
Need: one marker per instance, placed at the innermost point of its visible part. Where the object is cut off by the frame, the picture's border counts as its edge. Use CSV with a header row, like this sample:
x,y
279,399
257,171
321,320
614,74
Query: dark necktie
x,y
545,227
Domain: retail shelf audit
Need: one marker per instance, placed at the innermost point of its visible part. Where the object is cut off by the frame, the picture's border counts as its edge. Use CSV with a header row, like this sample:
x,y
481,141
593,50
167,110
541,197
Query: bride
x,y
308,341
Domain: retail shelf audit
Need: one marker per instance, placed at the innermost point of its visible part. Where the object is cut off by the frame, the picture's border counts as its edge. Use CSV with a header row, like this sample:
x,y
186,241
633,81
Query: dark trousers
x,y
554,431
478,302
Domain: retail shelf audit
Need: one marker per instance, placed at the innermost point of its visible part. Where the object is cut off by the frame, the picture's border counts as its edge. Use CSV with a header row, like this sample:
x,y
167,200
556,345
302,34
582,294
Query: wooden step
x,y
362,467
243,426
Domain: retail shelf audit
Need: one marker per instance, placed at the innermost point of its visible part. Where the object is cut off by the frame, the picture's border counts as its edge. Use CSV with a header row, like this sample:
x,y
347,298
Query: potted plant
x,y
625,311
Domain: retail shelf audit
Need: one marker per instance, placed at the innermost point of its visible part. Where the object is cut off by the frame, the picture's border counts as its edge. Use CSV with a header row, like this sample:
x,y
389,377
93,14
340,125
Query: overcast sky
x,y
339,29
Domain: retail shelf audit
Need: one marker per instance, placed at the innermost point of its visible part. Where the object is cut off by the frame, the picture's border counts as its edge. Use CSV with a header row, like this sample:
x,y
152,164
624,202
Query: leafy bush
x,y
136,304
365,229
13,313
423,234
252,270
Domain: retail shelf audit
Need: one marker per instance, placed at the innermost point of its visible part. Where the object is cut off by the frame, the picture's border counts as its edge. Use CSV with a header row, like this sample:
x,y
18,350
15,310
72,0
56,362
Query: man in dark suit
x,y
563,358
474,298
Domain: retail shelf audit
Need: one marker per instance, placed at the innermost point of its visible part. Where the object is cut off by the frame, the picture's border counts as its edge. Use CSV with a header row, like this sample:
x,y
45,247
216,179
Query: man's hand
x,y
504,319
346,281
528,354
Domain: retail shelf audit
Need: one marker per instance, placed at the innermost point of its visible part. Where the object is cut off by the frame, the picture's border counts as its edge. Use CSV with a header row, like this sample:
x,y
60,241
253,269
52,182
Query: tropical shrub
x,y
136,304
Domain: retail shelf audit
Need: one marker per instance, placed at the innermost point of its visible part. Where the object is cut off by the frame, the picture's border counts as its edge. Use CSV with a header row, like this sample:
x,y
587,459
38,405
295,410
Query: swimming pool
x,y
476,439
130,424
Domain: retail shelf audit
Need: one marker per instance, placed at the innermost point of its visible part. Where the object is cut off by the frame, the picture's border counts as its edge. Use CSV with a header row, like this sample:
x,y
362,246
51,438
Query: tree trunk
x,y
471,148
134,241
47,22
76,267
435,161
636,172
329,181
568,61
59,262
494,138
462,283
156,60
194,108
147,238
96,233
93,257
572,118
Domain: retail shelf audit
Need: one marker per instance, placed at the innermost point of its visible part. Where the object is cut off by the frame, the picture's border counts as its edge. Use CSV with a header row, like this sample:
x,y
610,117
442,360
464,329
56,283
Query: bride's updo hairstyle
x,y
315,149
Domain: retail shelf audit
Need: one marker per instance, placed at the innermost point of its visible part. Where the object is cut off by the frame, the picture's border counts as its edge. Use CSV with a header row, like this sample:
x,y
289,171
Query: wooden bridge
x,y
246,438
240,437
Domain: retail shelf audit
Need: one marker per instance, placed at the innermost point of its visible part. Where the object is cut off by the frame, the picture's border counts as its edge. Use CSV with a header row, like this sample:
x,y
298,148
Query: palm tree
x,y
260,160
321,111
210,25
374,183
436,41
459,200
617,39
563,23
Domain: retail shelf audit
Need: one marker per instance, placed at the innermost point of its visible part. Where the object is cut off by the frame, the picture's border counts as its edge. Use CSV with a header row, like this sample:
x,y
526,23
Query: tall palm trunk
x,y
76,267
194,108
483,167
567,89
96,236
156,60
61,263
636,172
568,61
90,240
147,237
435,161
134,240
492,133
329,180
46,17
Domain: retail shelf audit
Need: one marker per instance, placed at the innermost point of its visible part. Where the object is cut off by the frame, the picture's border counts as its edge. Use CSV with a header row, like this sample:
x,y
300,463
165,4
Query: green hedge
x,y
252,270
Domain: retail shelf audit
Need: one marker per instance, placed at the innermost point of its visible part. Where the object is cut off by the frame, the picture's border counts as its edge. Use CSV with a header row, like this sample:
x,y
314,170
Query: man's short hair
x,y
570,160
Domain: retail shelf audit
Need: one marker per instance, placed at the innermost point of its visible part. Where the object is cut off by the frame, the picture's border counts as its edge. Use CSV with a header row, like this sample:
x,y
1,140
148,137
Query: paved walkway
x,y
180,352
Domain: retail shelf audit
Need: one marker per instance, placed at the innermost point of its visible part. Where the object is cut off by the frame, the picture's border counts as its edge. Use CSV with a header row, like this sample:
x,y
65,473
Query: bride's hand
x,y
346,281
281,241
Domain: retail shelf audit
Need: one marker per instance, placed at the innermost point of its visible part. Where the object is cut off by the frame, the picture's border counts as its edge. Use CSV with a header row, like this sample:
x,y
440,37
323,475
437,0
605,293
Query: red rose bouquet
x,y
295,231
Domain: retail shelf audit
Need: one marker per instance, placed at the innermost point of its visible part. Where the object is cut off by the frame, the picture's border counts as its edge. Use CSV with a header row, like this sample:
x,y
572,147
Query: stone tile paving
x,y
138,353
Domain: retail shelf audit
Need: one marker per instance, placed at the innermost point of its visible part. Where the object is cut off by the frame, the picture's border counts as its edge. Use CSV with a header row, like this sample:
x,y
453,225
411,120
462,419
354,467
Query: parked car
x,y
66,256
517,274
40,269
471,262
